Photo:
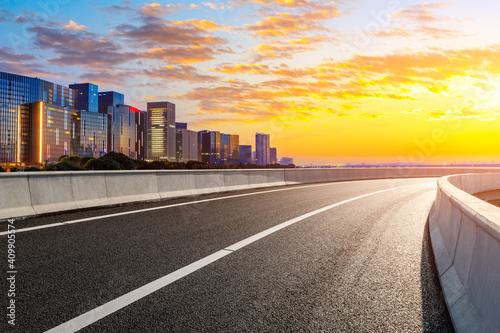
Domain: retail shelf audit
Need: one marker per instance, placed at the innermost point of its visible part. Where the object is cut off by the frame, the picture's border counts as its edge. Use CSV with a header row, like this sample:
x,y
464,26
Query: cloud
x,y
112,78
155,9
7,54
80,48
184,54
423,13
159,33
74,26
423,31
179,73
292,25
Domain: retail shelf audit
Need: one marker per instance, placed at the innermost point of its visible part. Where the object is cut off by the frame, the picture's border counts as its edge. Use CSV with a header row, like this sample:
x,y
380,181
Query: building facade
x,y
286,161
89,134
87,96
234,148
273,156
186,145
122,129
262,149
17,92
109,98
161,131
210,145
246,154
51,130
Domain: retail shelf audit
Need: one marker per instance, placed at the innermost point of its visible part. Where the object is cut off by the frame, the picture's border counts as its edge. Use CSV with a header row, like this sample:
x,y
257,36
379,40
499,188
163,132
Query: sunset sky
x,y
332,81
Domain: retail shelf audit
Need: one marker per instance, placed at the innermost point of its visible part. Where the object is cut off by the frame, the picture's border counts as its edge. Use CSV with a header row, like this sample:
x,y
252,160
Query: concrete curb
x,y
465,237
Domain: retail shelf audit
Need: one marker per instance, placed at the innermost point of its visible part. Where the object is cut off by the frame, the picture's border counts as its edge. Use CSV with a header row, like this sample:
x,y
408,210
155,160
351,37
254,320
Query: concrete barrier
x,y
36,193
465,236
15,198
131,186
51,194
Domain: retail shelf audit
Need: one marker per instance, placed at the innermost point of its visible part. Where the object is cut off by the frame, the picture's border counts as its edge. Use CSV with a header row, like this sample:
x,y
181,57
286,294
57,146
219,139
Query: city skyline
x,y
343,82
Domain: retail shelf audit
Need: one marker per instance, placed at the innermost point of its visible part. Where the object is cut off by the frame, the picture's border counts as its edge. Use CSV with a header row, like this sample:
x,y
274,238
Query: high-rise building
x,y
89,134
262,148
51,130
87,96
141,145
273,156
16,94
161,131
181,126
110,98
122,129
210,141
225,145
186,145
286,161
245,154
234,148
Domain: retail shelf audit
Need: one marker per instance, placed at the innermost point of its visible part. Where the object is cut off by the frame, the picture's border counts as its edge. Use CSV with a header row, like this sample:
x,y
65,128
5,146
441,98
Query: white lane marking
x,y
58,224
106,309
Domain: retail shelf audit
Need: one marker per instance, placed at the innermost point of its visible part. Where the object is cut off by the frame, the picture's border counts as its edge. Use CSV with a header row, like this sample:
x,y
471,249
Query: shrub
x,y
123,160
2,169
77,160
63,166
102,164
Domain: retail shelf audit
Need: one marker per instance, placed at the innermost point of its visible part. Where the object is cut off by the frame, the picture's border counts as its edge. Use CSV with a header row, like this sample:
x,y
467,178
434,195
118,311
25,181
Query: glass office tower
x,y
262,149
246,154
211,143
161,131
90,134
234,148
273,156
51,129
110,98
16,94
225,146
87,98
122,130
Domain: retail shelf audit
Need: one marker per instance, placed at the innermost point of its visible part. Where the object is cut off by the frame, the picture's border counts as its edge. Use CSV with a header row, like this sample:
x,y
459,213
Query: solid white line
x,y
58,224
106,309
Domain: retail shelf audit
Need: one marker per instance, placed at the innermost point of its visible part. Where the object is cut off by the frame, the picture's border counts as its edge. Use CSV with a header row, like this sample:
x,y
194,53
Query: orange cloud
x,y
74,26
179,73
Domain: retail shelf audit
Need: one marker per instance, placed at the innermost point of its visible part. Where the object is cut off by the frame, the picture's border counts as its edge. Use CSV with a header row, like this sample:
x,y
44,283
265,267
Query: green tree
x,y
123,160
102,164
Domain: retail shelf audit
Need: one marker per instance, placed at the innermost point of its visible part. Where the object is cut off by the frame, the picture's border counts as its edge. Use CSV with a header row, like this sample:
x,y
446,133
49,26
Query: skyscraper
x,y
87,96
246,154
262,148
16,94
186,144
122,129
234,148
161,131
273,156
89,134
225,145
211,147
110,98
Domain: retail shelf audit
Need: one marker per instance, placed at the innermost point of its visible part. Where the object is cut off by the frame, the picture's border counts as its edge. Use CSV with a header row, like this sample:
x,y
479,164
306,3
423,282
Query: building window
x,y
57,136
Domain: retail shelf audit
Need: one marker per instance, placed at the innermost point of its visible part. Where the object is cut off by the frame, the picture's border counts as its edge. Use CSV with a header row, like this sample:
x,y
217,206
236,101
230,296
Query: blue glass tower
x,y
87,96
16,92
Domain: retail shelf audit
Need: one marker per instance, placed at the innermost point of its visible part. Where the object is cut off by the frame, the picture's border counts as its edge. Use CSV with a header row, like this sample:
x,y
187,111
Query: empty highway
x,y
332,257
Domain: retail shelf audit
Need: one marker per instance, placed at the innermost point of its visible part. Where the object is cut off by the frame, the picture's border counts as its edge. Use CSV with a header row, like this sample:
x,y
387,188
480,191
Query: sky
x,y
332,82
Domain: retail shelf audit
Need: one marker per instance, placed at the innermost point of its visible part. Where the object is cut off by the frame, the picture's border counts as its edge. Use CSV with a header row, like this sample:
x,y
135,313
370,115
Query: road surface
x,y
347,256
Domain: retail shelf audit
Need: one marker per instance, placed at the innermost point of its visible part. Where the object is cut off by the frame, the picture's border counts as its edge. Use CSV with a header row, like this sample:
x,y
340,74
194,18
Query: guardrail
x,y
465,236
28,194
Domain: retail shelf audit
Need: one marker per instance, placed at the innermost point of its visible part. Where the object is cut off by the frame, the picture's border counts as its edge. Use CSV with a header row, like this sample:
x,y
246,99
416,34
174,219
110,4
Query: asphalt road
x,y
363,265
